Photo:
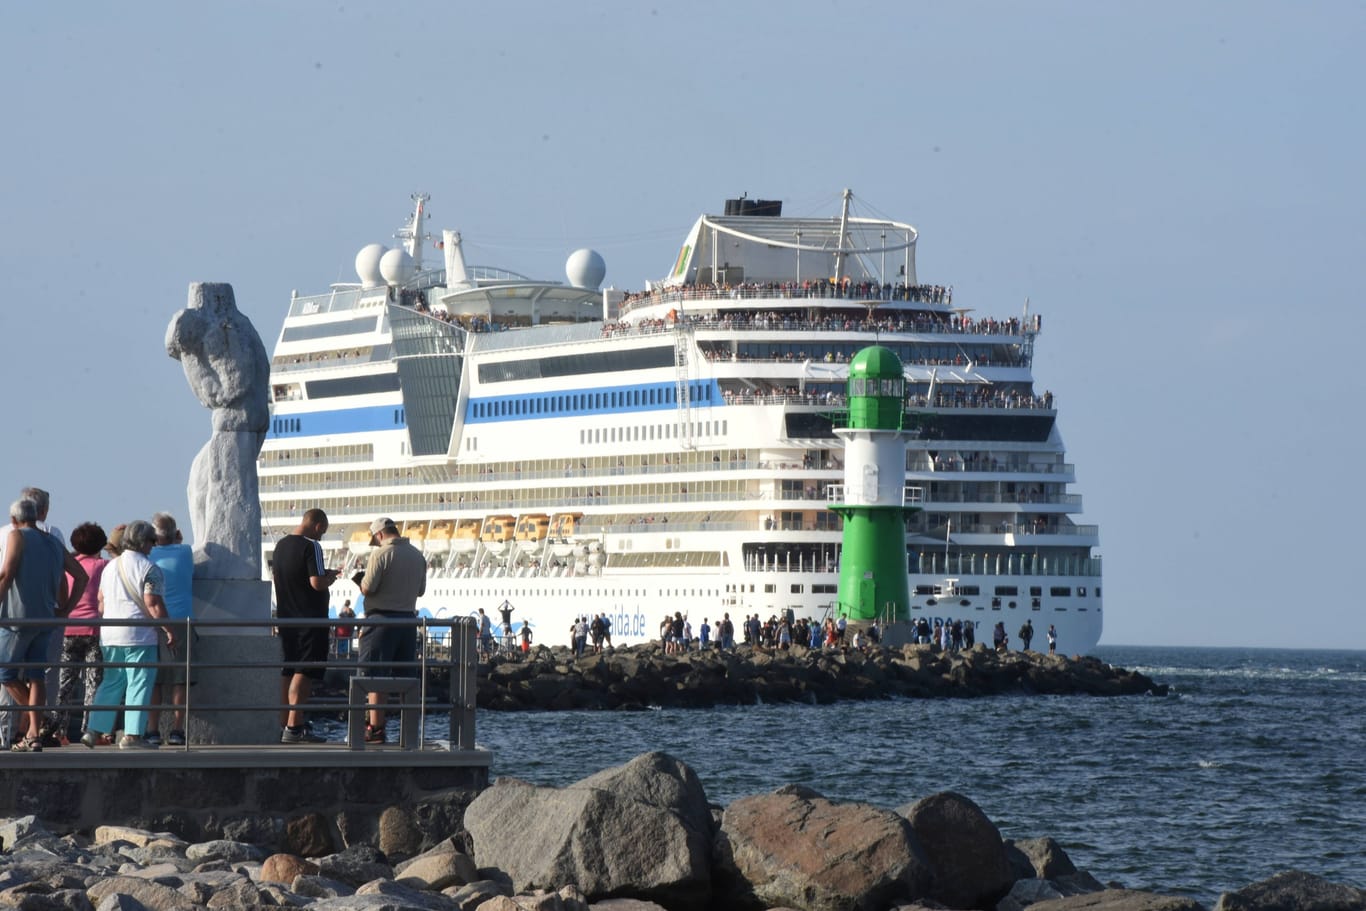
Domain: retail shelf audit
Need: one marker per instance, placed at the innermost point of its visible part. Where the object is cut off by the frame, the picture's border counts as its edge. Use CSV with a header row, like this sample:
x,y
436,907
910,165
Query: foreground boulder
x,y
640,830
1119,900
1294,891
794,847
971,867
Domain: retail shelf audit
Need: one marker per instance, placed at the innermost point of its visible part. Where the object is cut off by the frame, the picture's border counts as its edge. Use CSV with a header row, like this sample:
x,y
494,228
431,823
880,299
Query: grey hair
x,y
40,497
23,510
165,526
138,535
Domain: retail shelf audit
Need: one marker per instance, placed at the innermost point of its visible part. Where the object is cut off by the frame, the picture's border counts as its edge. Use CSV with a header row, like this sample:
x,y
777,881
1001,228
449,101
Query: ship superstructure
x,y
575,451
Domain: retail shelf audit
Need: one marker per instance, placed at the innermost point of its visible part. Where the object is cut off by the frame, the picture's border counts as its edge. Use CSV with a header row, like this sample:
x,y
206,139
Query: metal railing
x,y
443,644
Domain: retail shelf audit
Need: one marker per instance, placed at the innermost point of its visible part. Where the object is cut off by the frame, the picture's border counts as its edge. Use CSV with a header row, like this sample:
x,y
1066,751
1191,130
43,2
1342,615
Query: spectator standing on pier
x,y
705,631
77,584
176,560
969,634
32,587
395,577
81,644
1026,634
130,589
1052,640
998,637
301,584
485,634
345,632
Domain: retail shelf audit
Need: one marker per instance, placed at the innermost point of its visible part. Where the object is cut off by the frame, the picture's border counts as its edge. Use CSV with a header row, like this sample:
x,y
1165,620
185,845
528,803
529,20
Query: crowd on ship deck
x,y
973,397
794,322
846,289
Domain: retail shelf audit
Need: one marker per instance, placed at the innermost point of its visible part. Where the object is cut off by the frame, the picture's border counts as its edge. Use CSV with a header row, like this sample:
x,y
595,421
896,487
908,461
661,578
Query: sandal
x,y
27,745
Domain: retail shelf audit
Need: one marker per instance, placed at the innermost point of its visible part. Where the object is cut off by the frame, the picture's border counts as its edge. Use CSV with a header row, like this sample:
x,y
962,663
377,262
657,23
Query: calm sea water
x,y
1256,763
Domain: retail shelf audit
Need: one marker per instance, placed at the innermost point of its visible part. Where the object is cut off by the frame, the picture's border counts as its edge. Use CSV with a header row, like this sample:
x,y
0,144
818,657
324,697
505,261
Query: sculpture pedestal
x,y
247,650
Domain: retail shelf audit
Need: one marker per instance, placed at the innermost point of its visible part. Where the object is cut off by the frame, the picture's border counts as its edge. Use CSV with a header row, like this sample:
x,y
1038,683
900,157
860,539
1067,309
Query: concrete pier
x,y
199,790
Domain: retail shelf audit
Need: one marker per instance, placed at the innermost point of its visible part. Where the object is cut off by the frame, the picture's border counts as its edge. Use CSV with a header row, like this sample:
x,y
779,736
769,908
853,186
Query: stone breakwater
x,y
639,676
638,837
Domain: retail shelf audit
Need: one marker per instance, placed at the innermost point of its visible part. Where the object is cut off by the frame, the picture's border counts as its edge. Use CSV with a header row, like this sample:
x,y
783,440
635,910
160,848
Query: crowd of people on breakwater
x,y
125,685
142,570
780,632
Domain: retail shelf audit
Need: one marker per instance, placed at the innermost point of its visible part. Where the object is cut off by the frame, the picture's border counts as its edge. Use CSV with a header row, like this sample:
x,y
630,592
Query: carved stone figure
x,y
228,369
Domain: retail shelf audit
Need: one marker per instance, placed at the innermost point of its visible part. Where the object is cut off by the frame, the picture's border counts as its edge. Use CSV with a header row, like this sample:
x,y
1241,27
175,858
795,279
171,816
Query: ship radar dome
x,y
367,265
585,268
396,266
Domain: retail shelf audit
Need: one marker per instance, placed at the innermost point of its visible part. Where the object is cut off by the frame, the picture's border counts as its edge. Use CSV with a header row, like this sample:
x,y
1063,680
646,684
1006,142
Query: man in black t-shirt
x,y
301,584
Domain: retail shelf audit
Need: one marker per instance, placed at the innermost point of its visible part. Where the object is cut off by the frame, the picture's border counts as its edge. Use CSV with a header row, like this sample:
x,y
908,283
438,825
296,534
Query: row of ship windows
x,y
652,432
579,402
588,593
1011,591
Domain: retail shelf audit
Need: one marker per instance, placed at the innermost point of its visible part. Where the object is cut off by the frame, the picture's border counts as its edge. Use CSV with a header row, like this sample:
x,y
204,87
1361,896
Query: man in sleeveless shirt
x,y
301,585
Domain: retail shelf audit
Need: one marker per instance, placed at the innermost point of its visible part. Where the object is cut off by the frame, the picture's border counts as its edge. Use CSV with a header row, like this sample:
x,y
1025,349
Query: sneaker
x,y
90,740
134,742
176,738
153,738
373,734
300,735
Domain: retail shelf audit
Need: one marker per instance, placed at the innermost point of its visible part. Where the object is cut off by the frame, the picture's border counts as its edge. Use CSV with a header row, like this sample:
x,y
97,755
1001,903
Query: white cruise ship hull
x,y
571,452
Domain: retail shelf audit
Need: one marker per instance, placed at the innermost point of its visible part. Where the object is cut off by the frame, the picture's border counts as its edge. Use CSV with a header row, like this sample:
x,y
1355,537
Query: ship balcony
x,y
1071,502
910,496
1023,534
991,468
917,404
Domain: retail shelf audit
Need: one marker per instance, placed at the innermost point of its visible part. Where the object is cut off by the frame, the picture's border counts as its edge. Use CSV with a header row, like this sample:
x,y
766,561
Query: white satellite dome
x,y
585,268
396,266
367,265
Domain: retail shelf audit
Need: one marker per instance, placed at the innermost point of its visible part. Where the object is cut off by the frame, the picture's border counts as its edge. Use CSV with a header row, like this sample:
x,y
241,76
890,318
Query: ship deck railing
x,y
444,645
477,482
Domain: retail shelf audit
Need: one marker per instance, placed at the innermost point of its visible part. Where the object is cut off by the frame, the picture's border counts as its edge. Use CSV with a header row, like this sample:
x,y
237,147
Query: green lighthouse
x,y
873,581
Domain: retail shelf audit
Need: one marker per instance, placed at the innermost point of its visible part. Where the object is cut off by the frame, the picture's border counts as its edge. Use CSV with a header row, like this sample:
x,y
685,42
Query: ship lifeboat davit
x,y
532,529
564,528
439,538
466,538
416,533
359,542
497,533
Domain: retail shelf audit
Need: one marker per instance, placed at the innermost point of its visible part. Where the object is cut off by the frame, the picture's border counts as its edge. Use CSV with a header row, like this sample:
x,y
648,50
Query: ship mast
x,y
844,238
412,235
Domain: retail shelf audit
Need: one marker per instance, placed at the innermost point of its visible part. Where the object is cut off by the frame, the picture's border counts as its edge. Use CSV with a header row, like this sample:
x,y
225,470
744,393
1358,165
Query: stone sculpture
x,y
228,369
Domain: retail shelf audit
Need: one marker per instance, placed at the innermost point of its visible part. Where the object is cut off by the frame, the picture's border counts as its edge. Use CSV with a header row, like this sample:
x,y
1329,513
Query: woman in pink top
x,y
81,645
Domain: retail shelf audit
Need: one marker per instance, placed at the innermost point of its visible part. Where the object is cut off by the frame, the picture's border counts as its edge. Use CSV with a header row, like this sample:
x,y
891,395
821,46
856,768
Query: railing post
x,y
464,684
189,663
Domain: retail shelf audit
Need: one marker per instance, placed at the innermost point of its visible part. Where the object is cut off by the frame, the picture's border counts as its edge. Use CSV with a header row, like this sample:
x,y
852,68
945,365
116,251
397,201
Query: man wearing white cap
x,y
395,577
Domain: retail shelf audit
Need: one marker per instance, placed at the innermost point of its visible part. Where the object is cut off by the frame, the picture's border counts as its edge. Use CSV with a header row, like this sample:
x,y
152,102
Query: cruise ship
x,y
568,450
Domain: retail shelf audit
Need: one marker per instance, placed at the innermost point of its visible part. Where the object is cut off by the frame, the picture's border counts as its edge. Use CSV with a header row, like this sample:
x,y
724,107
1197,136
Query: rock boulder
x,y
1293,891
640,830
971,867
794,847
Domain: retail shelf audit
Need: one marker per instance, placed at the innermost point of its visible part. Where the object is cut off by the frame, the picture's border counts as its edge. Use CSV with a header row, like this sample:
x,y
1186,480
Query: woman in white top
x,y
131,588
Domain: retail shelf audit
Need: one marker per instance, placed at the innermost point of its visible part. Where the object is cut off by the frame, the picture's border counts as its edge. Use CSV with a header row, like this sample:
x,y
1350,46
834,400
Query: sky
x,y
1176,187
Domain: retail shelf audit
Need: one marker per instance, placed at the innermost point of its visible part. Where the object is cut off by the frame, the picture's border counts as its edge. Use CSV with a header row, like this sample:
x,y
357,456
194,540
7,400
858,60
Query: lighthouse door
x,y
869,484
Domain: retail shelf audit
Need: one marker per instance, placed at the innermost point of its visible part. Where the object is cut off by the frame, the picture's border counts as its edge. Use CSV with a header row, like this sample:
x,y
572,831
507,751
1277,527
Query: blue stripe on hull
x,y
642,397
343,420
